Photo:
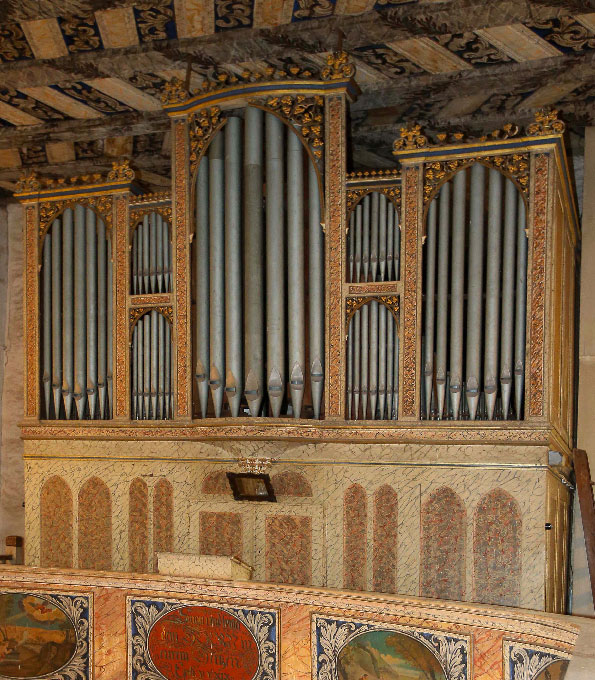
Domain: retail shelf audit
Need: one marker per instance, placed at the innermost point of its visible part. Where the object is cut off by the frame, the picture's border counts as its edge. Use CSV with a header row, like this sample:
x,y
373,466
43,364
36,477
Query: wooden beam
x,y
585,498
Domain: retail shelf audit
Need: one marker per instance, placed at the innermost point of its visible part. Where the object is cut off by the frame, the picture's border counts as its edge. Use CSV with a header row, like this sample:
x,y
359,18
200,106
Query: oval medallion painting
x,y
387,655
203,643
36,637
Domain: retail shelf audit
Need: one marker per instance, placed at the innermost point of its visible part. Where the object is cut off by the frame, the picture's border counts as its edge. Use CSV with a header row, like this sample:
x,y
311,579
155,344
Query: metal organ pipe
x,y
520,309
201,268
233,266
254,259
487,322
75,317
475,288
382,207
275,247
295,271
430,305
265,331
492,311
315,290
217,272
508,270
374,232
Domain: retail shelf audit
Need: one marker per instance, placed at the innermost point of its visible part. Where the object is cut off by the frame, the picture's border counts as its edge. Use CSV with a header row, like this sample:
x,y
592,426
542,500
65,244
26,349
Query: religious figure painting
x,y
358,650
44,635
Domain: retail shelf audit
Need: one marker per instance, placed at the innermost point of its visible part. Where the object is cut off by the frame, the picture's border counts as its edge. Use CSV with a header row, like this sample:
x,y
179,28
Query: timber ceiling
x,y
80,80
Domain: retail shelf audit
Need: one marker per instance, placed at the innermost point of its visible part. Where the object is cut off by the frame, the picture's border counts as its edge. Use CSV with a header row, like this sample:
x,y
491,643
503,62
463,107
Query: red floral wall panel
x,y
95,526
220,534
288,546
443,524
138,526
497,549
56,524
163,517
385,540
291,483
354,538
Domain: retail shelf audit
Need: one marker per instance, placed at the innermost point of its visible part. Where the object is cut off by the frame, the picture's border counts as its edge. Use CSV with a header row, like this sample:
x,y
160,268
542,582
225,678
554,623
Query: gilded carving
x,y
49,210
335,230
515,166
203,126
411,138
136,214
409,340
121,171
546,123
373,288
183,358
354,196
136,312
150,300
305,113
352,304
121,287
153,17
338,66
174,92
29,183
31,292
537,319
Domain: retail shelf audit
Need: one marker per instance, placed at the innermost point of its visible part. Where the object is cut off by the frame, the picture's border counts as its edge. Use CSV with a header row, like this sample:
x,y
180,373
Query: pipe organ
x,y
259,308
411,326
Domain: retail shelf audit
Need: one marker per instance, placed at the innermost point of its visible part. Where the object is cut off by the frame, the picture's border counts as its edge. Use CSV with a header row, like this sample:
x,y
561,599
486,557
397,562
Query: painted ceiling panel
x,y
15,116
91,97
472,48
45,38
354,6
194,18
117,27
57,100
566,33
429,55
59,152
230,15
126,93
155,21
548,95
587,20
385,60
29,105
518,42
80,33
13,43
312,9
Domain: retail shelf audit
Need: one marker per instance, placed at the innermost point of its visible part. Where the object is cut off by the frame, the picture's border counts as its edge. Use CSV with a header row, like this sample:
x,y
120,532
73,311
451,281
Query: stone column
x,y
582,601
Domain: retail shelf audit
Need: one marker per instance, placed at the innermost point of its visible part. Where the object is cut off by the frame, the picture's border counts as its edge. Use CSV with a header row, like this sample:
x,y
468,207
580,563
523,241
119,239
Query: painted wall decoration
x,y
533,663
95,525
354,538
56,522
352,650
195,641
44,635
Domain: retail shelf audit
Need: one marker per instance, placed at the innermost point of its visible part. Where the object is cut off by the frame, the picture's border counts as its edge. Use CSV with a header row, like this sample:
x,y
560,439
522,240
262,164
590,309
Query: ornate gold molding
x,y
352,304
31,313
515,166
135,313
537,277
49,210
174,92
354,196
202,127
411,227
338,67
29,182
121,171
136,213
121,363
304,113
546,123
411,137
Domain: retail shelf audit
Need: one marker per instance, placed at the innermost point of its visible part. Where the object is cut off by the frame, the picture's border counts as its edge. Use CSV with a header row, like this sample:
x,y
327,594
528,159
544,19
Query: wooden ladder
x,y
584,487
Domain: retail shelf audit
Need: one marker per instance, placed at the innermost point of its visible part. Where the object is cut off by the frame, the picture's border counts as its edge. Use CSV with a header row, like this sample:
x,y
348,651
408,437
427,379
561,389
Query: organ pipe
x,y
374,232
430,306
486,317
201,266
233,266
56,264
254,259
295,271
520,310
442,299
76,317
316,291
492,311
216,272
382,254
366,238
373,361
265,307
151,368
150,256
275,248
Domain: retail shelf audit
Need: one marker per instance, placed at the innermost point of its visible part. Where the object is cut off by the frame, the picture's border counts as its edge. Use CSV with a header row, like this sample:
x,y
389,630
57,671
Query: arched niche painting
x,y
387,655
43,635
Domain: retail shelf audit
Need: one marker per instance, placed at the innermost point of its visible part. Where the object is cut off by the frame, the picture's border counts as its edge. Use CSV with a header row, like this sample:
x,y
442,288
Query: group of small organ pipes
x,y
260,271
